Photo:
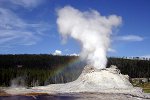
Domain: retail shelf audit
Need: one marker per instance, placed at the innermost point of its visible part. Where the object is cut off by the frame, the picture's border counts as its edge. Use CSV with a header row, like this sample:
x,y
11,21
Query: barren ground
x,y
74,96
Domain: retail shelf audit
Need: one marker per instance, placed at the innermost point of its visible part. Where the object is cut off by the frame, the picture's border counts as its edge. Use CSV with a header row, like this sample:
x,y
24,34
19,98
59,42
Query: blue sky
x,y
29,26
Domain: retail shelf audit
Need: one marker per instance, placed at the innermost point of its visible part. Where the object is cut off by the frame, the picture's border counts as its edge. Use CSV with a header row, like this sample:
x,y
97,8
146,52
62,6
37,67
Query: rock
x,y
89,69
108,78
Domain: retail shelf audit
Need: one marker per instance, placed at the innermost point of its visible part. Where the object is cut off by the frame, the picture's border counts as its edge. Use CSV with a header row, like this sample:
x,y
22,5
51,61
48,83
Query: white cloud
x,y
146,56
57,52
130,38
16,31
27,3
9,20
111,50
74,54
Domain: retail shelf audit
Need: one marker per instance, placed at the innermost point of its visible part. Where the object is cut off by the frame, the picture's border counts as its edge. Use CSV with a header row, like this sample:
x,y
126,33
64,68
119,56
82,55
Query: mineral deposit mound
x,y
95,80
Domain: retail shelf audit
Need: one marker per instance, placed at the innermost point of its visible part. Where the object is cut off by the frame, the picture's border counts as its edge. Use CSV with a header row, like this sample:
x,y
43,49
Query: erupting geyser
x,y
93,32
91,29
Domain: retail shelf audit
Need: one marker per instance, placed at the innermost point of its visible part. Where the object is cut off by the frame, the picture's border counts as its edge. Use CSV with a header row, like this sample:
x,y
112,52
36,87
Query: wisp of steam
x,y
91,29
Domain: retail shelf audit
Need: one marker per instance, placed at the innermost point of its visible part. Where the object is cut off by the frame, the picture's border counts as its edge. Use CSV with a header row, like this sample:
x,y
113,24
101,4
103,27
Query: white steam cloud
x,y
91,29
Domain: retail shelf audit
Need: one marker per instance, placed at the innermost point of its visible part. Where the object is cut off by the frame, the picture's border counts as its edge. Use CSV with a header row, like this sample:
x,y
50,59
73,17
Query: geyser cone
x,y
94,80
108,78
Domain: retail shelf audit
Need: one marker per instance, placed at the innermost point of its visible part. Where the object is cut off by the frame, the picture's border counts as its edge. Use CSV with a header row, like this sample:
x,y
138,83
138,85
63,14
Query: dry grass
x,y
35,94
144,86
2,93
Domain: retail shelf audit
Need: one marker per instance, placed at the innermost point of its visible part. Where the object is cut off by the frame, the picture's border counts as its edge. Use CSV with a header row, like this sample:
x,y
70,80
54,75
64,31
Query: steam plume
x,y
91,29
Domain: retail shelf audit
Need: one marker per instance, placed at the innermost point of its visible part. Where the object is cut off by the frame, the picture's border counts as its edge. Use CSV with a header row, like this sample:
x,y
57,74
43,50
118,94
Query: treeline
x,y
135,68
43,69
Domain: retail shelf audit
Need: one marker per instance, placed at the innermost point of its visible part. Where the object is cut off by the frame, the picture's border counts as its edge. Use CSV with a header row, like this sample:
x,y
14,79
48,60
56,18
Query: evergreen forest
x,y
43,69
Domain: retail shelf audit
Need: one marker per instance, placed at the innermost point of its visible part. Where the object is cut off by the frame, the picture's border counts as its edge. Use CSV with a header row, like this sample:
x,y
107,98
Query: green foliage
x,y
46,69
144,86
135,68
146,90
38,69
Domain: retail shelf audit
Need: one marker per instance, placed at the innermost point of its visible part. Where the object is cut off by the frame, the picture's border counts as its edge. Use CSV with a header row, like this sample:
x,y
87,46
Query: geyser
x,y
91,29
93,32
